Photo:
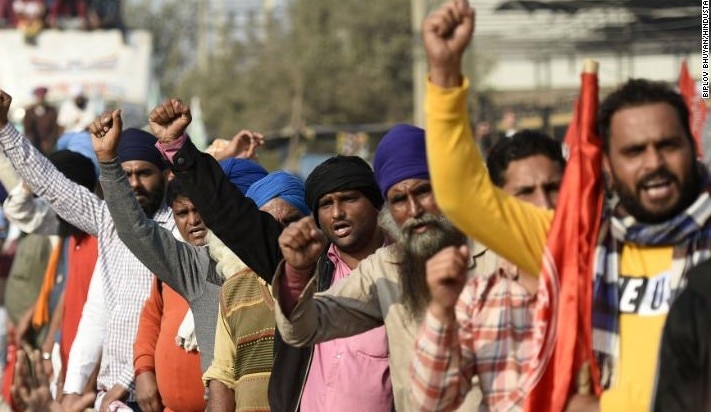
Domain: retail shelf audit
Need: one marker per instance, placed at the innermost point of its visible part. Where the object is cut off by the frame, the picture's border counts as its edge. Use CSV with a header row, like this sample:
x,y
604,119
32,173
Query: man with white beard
x,y
388,287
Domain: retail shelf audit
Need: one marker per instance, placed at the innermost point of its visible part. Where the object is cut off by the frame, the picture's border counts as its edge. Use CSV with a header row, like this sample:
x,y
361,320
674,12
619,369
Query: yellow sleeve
x,y
223,359
515,230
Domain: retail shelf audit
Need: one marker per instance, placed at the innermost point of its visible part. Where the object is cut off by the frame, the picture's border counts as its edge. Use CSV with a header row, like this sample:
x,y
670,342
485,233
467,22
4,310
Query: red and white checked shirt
x,y
492,338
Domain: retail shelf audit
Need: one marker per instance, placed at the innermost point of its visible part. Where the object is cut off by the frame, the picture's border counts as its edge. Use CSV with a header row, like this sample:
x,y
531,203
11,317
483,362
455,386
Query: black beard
x,y
155,200
689,190
413,250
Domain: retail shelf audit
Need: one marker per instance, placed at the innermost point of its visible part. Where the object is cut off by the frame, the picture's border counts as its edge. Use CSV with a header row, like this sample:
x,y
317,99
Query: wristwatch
x,y
46,356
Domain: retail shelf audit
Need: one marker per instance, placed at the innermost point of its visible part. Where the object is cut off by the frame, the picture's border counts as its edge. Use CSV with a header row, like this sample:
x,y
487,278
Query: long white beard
x,y
227,262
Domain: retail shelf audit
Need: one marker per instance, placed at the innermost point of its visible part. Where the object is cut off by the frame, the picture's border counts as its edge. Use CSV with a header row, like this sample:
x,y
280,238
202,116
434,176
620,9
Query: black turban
x,y
341,173
76,167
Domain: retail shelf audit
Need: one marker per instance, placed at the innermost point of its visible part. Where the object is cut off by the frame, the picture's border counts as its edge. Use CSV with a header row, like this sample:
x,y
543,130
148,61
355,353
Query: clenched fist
x,y
446,275
302,243
170,120
5,100
446,33
105,135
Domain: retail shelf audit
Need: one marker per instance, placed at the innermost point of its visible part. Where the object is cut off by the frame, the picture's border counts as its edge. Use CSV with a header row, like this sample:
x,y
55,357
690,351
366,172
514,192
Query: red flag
x,y
8,374
697,108
566,275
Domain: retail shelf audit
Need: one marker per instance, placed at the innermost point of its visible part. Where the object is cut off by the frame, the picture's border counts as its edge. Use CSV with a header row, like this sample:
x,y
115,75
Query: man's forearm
x,y
222,398
73,202
513,229
292,285
174,262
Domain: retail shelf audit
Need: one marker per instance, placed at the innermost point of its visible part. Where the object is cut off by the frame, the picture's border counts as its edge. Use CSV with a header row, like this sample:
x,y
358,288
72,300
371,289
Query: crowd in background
x,y
31,16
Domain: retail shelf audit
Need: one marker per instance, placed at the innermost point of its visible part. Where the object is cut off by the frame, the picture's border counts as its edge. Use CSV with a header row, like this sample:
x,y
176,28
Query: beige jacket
x,y
367,298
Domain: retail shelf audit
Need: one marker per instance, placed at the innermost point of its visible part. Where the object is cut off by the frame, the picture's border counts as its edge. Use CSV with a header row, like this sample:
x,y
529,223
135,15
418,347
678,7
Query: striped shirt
x,y
244,341
126,281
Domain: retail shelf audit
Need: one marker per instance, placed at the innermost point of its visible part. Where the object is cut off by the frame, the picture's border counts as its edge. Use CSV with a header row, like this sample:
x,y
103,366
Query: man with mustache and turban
x,y
282,195
386,288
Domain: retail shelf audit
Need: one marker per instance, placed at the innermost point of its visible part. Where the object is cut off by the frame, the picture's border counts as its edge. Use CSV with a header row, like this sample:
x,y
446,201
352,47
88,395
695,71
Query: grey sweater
x,y
187,269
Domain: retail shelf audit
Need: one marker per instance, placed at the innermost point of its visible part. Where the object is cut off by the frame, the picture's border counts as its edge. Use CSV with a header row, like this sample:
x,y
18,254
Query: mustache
x,y
413,222
140,192
662,173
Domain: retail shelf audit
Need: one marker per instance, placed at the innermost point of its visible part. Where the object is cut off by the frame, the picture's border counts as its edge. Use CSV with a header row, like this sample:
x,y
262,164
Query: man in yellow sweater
x,y
656,229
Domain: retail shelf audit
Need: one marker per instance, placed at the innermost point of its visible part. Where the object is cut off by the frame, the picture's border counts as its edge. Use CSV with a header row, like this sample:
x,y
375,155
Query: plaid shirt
x,y
492,339
126,281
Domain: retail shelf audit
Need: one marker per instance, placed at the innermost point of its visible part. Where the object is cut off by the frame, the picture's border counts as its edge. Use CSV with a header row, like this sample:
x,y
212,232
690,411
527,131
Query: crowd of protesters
x,y
144,274
31,16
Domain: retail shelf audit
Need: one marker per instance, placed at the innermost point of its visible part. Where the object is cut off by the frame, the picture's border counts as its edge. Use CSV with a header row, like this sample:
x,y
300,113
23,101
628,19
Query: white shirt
x,y
86,349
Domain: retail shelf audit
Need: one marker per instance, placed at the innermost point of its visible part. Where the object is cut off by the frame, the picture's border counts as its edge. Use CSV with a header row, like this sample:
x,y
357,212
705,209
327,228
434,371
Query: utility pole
x,y
267,12
221,28
202,35
419,9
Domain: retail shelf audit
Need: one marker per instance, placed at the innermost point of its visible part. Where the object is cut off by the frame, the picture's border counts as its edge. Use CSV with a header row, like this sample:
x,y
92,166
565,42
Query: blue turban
x,y
136,144
280,184
242,172
79,142
400,155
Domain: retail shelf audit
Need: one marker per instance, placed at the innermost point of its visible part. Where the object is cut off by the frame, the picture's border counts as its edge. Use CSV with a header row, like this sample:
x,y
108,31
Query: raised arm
x,y
73,202
29,213
464,192
181,266
349,307
251,234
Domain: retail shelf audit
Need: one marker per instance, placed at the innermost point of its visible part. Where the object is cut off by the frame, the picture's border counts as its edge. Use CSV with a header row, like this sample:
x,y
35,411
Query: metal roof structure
x,y
529,27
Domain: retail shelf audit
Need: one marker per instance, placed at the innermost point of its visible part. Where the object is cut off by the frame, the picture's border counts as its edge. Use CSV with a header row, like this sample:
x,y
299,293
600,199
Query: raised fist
x,y
169,120
105,135
5,101
302,243
446,33
446,275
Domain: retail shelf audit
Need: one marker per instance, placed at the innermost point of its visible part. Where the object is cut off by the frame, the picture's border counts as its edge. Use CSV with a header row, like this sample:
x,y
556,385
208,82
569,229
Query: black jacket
x,y
684,371
253,236
250,233
292,364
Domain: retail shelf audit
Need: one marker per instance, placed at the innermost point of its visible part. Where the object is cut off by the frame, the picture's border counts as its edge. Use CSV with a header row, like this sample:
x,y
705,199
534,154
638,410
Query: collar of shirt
x,y
163,215
341,269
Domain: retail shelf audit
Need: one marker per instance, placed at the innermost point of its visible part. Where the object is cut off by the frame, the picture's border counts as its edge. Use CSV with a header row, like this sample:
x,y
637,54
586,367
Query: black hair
x,y
173,191
521,145
637,92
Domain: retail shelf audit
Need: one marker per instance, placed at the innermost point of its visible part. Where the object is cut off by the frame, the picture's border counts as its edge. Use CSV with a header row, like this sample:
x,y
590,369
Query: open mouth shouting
x,y
659,188
198,232
341,228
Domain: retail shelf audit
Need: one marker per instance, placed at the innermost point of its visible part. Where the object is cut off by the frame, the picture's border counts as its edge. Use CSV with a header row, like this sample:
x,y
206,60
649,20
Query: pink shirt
x,y
168,150
349,374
